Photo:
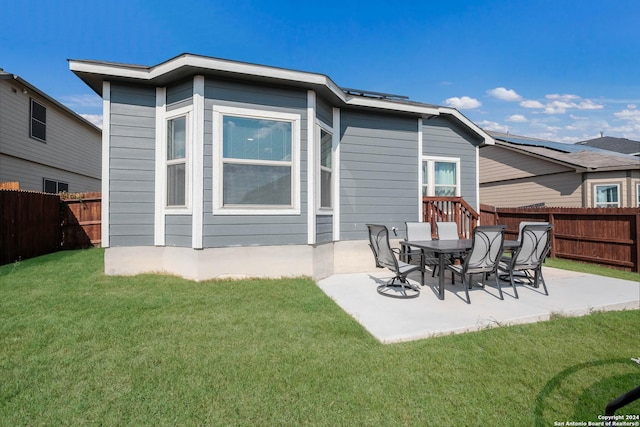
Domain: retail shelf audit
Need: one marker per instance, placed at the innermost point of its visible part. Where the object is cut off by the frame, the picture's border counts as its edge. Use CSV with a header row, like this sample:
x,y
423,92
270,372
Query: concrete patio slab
x,y
392,320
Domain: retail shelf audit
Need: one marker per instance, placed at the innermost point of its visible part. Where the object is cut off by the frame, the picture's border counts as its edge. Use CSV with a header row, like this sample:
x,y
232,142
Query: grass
x,y
592,269
78,348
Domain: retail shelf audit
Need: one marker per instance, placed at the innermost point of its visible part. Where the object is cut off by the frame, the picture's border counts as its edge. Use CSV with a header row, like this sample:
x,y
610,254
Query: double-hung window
x,y
177,161
441,177
325,167
607,195
38,125
257,161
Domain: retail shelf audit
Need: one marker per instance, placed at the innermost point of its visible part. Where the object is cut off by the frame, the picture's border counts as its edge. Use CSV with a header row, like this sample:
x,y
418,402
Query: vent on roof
x,y
377,95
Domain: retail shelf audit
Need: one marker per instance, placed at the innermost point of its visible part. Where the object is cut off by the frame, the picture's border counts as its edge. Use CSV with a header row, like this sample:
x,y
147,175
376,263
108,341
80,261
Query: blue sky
x,y
563,70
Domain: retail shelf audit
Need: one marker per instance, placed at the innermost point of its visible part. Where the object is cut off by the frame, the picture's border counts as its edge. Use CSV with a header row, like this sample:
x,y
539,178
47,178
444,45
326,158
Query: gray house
x,y
216,168
44,146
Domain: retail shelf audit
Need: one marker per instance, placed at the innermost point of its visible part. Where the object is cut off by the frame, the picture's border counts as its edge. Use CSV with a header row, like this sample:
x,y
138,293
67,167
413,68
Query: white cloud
x,y
559,104
519,118
632,106
564,97
631,115
96,119
531,104
493,126
462,103
504,94
588,104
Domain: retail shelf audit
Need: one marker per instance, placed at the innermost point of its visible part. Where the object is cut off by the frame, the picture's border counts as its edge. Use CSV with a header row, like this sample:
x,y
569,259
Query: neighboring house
x,y
216,168
620,145
519,171
44,146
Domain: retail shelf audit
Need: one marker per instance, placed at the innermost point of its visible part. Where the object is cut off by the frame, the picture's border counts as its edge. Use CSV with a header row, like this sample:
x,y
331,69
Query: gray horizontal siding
x,y
378,171
178,230
445,138
223,230
132,166
324,111
324,228
30,175
179,93
72,149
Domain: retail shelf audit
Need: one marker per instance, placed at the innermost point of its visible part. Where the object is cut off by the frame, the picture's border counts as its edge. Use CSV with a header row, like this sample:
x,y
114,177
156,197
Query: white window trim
x,y
638,195
295,119
431,188
169,115
320,125
603,184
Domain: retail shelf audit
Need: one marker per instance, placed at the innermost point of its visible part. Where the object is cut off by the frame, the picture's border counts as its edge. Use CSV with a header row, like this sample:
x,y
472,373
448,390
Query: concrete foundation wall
x,y
317,261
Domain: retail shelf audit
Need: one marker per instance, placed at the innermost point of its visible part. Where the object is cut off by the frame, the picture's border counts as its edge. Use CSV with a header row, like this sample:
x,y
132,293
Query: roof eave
x,y
93,73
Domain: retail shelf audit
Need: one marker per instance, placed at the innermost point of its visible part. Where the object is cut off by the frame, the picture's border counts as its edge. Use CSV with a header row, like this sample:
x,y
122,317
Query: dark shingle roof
x,y
575,155
620,145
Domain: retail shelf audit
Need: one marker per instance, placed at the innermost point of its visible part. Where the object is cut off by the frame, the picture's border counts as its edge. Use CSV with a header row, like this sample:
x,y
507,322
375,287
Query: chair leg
x,y
513,283
499,287
544,285
466,288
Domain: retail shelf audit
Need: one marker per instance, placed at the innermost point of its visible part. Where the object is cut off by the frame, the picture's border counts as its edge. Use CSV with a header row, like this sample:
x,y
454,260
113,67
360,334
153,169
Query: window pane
x,y
256,139
256,185
445,191
38,130
425,173
606,195
325,189
38,112
176,138
63,186
176,185
325,149
445,173
50,186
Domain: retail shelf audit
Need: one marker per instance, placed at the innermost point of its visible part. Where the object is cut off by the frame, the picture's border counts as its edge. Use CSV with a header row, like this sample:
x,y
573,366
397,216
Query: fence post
x,y
552,221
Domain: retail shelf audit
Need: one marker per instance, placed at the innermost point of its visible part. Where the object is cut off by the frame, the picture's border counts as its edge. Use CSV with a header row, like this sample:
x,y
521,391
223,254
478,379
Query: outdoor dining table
x,y
443,247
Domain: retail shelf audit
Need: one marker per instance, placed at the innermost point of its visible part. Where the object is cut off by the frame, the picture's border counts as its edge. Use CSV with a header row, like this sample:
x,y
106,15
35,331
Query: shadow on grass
x,y
599,393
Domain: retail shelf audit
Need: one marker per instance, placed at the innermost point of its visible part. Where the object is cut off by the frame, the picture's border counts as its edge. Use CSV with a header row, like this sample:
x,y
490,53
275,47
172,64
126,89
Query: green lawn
x,y
80,348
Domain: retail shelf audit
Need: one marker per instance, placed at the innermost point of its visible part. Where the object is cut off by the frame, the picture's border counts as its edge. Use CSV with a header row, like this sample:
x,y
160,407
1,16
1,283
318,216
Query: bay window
x,y
177,162
256,161
325,150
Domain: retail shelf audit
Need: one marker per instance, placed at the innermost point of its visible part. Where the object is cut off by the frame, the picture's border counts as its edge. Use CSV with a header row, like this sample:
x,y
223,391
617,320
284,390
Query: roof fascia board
x,y
387,105
114,70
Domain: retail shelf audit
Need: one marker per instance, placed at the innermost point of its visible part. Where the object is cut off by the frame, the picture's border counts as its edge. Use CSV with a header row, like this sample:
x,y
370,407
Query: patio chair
x,y
535,242
419,231
447,230
483,257
385,257
525,223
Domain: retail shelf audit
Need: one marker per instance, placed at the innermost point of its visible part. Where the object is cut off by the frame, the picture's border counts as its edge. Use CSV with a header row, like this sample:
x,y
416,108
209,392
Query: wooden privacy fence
x,y
34,224
607,236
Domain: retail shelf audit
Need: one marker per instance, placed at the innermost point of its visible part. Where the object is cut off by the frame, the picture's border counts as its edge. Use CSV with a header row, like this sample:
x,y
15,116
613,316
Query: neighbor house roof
x,y
581,157
621,145
183,66
31,88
